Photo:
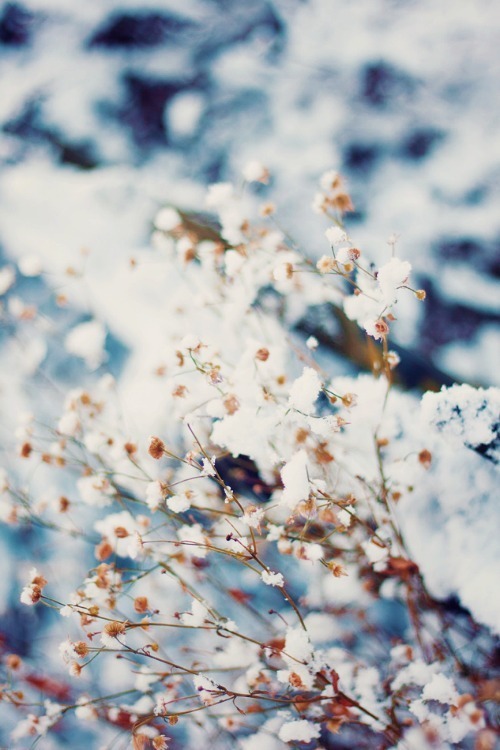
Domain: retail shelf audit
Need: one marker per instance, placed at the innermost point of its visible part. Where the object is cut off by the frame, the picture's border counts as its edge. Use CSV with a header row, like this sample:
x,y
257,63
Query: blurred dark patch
x,y
29,128
476,196
139,30
361,157
118,354
445,321
143,108
421,143
242,475
383,84
27,125
215,169
483,256
390,616
357,217
494,263
460,249
16,25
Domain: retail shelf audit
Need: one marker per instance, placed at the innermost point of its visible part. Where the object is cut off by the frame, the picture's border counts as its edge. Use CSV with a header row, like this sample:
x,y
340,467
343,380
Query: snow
x,y
254,171
272,579
297,646
7,279
468,415
305,390
197,616
87,341
335,235
167,219
299,730
295,480
178,503
154,495
441,689
391,276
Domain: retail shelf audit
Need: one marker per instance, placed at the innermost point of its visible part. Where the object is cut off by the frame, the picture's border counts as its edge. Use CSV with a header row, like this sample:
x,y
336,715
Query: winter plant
x,y
269,570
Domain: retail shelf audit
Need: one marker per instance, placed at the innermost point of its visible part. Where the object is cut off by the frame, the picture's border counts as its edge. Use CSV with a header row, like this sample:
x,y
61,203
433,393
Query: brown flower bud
x,y
81,649
156,447
26,449
13,661
141,604
337,569
114,629
231,404
103,550
425,458
63,504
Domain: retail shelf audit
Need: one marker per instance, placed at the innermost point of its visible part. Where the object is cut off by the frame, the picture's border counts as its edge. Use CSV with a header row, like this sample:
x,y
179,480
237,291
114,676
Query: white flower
x,y
344,517
154,495
178,503
254,171
219,194
113,635
85,710
194,540
377,328
167,219
199,613
120,530
207,689
335,235
328,179
346,255
67,650
30,594
272,579
233,261
69,424
318,204
95,490
297,646
208,467
391,276
441,689
30,265
375,553
162,704
253,516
